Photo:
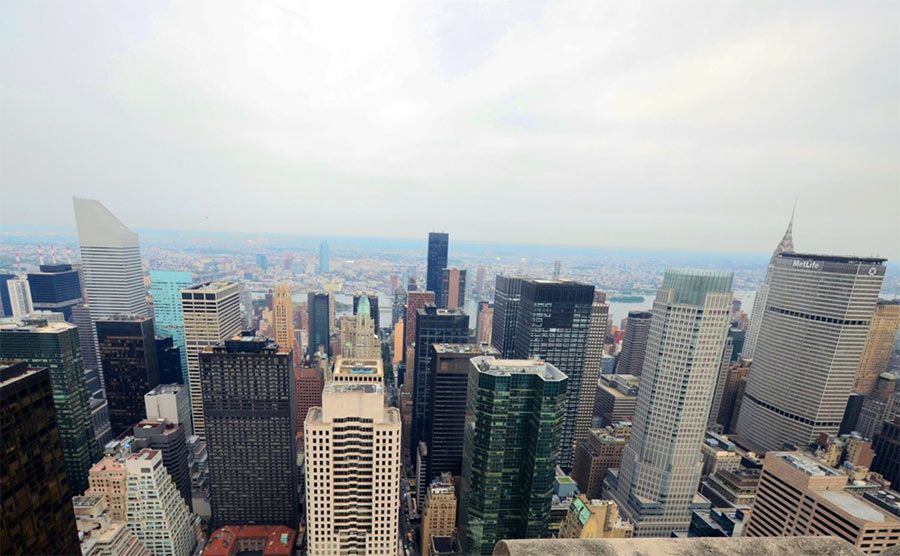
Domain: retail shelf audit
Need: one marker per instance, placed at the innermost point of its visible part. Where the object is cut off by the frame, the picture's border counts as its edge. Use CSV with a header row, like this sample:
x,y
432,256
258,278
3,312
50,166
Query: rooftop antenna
x,y
53,253
69,255
40,254
18,262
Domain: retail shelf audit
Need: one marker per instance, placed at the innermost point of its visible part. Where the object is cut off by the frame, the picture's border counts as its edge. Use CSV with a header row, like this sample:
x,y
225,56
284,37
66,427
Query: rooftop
x,y
210,287
230,540
485,349
507,367
855,506
39,326
166,389
806,464
755,546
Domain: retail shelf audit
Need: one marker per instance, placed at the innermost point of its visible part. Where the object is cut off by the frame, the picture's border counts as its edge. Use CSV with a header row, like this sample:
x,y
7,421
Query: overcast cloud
x,y
672,124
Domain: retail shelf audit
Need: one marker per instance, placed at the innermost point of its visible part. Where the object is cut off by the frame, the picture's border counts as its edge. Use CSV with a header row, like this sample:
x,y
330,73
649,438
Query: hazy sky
x,y
672,124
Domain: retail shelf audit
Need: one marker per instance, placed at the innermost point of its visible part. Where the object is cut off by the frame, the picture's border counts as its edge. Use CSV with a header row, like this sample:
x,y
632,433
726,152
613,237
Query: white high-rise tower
x,y
352,458
660,470
110,262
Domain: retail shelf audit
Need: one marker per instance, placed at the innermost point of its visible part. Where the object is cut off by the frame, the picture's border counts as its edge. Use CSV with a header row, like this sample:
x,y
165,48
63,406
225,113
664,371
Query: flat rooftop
x,y
856,506
485,349
508,367
39,326
806,464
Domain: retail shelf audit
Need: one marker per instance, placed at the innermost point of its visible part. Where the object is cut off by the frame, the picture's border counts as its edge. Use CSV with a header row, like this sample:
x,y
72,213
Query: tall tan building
x,y
593,355
879,344
597,454
212,314
798,496
352,460
358,337
439,514
594,519
283,317
397,356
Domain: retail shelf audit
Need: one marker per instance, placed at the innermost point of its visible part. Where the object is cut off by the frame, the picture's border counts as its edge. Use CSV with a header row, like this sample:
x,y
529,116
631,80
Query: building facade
x,y
439,513
55,287
130,367
553,322
110,262
433,325
634,345
212,314
438,244
352,462
513,426
310,382
165,289
319,307
171,402
507,295
661,464
879,345
37,515
798,496
55,345
453,288
815,322
249,403
597,454
283,317
593,359
594,519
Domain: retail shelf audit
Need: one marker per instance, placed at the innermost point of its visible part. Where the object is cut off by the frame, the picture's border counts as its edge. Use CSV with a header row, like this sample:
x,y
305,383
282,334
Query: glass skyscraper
x,y
165,288
513,423
438,244
660,469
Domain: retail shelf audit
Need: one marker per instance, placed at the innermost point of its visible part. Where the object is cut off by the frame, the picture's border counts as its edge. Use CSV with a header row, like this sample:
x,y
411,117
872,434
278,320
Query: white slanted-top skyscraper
x,y
657,481
110,262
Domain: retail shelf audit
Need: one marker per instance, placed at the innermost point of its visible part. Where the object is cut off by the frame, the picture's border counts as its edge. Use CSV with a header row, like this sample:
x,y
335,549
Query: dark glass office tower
x,y
637,330
437,261
450,365
37,509
248,401
168,357
5,303
507,294
55,345
319,323
373,308
553,322
55,288
512,432
130,368
433,325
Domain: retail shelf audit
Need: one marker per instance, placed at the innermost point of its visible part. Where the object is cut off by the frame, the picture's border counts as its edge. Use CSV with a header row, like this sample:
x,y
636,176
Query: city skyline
x,y
716,108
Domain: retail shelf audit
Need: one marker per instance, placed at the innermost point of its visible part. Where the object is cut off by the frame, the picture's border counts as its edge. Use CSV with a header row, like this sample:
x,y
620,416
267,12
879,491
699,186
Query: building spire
x,y
786,245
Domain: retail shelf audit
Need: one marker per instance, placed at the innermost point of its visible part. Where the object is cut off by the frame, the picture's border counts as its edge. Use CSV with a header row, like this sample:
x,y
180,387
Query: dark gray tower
x,y
631,358
438,243
507,293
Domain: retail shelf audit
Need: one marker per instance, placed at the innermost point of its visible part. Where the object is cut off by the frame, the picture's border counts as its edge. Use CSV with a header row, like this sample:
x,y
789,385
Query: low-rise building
x,y
594,519
799,496
439,513
264,540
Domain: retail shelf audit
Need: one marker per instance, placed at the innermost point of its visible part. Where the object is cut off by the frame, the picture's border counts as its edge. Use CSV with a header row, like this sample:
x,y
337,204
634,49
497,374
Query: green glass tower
x,y
55,345
513,424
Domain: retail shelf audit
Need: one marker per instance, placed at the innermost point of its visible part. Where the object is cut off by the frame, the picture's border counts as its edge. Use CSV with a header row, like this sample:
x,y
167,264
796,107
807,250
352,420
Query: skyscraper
x,y
171,402
310,381
37,513
879,345
168,358
593,357
786,245
318,305
661,465
87,336
110,262
130,367
324,258
433,325
507,295
450,366
812,332
512,433
373,308
352,460
634,345
439,512
453,288
212,314
438,243
484,321
55,345
358,337
283,317
170,440
415,301
249,402
155,512
55,287
553,321
165,288
19,297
